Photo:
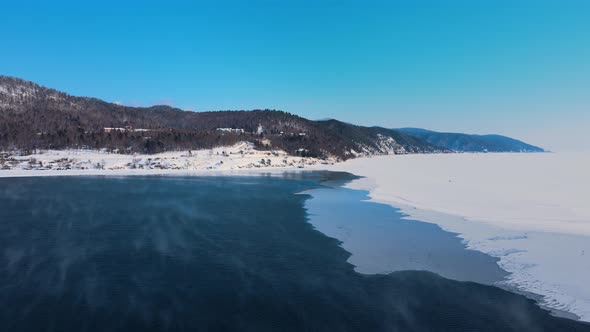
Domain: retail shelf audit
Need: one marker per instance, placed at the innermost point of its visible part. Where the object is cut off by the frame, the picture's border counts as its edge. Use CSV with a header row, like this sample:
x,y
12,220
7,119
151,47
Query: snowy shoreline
x,y
241,156
528,210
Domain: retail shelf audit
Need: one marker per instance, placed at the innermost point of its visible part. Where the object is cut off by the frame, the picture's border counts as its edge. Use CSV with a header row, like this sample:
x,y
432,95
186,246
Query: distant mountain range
x,y
471,143
36,117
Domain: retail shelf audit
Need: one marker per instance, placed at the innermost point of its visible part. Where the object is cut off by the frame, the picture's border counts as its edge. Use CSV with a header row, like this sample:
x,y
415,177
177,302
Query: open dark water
x,y
213,254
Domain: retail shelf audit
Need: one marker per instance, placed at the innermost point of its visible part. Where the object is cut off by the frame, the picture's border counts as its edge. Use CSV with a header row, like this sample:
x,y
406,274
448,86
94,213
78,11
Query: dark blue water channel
x,y
216,254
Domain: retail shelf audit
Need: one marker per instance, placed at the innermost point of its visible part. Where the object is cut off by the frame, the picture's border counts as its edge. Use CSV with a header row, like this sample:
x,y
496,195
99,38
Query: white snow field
x,y
532,211
239,157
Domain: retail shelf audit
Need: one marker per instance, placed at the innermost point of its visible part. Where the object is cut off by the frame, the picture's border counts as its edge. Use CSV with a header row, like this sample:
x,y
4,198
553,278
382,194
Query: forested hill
x,y
471,143
35,117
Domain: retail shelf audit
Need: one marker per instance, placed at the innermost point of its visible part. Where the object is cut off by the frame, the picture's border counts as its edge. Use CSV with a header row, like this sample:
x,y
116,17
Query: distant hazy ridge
x,y
471,143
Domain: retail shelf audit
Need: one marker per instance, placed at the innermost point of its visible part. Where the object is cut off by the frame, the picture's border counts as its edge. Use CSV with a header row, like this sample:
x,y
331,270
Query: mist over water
x,y
212,253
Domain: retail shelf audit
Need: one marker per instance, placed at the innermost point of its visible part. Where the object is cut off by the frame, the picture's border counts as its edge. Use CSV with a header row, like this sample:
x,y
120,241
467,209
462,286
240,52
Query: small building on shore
x,y
110,129
231,130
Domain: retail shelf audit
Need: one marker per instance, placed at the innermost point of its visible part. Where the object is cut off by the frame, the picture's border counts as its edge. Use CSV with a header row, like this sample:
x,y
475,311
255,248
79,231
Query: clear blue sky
x,y
520,68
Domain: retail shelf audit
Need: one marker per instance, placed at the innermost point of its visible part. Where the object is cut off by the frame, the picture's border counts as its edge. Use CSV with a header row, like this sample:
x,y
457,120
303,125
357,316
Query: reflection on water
x,y
213,253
